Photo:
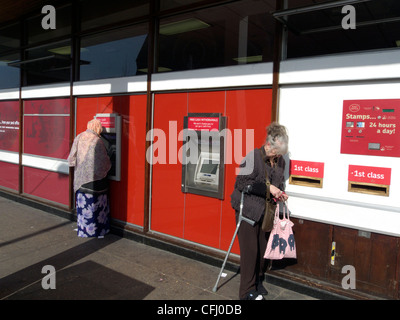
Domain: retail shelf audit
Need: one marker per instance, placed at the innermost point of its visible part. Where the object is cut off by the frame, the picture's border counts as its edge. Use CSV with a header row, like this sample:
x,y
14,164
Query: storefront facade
x,y
155,64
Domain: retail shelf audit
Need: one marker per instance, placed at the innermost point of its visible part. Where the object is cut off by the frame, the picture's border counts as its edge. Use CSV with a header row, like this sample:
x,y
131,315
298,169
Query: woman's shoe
x,y
254,295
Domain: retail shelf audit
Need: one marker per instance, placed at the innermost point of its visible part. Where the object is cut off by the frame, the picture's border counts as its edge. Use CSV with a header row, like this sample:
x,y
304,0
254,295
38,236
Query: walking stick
x,y
241,218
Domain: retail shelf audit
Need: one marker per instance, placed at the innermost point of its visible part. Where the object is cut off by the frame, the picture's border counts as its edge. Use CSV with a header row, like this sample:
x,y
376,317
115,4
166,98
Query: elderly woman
x,y
266,160
89,157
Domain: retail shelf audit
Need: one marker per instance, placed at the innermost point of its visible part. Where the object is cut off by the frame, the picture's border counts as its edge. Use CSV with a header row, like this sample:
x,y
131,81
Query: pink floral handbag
x,y
281,242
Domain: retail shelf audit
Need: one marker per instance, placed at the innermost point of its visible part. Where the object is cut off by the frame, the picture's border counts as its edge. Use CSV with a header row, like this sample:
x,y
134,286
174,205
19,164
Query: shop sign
x,y
307,168
203,123
374,175
371,127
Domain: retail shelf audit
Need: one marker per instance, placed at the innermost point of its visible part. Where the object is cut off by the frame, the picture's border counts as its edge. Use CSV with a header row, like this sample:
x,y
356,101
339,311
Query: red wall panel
x,y
49,185
127,195
47,106
168,211
201,219
9,173
47,127
47,136
196,218
245,109
203,214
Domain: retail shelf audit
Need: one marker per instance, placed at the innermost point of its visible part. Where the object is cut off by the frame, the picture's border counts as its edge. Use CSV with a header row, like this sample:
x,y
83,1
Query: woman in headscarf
x,y
89,157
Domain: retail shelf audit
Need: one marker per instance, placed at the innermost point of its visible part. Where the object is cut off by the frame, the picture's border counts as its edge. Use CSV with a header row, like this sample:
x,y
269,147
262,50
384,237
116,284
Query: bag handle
x,y
285,206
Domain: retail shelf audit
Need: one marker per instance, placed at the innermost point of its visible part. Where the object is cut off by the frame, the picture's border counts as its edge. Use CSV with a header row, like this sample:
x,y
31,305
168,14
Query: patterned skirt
x,y
93,214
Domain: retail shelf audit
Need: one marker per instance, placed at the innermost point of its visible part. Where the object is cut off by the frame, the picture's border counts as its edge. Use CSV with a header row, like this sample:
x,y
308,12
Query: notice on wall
x,y
107,121
307,169
9,125
374,175
371,127
203,123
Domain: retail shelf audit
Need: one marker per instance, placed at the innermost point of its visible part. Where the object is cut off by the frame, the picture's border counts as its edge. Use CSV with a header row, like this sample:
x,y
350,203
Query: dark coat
x,y
254,206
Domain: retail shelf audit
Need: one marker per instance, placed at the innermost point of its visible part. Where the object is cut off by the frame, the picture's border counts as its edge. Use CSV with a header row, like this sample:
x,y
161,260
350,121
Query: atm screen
x,y
209,168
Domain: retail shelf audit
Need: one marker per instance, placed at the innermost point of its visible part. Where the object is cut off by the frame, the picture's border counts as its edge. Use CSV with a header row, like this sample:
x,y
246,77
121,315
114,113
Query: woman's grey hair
x,y
277,137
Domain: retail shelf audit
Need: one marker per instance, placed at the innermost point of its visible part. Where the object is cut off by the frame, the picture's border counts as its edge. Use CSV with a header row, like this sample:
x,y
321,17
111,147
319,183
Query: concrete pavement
x,y
108,268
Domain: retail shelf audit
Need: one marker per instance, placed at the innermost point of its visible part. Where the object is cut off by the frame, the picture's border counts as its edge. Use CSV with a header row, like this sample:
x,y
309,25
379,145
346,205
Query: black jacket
x,y
253,170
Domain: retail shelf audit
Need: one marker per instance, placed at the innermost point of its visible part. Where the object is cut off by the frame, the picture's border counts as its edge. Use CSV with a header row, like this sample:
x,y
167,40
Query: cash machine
x,y
203,154
111,136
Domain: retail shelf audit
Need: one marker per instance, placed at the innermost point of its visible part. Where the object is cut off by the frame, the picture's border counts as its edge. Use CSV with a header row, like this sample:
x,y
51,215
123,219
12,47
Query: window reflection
x,y
9,76
236,33
97,13
9,45
9,38
47,64
119,53
319,31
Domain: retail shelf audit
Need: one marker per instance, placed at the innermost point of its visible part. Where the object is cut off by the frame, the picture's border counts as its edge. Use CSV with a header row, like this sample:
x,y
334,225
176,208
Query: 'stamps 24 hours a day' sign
x,y
371,127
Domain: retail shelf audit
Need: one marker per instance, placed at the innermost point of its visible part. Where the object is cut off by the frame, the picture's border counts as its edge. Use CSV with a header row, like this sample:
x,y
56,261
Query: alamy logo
x,y
49,280
49,20
349,20
349,280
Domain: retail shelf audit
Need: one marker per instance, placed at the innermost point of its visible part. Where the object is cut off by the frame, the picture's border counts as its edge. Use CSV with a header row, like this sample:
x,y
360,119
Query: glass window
x,y
320,31
36,33
170,4
9,76
47,64
9,38
9,52
117,53
236,33
97,13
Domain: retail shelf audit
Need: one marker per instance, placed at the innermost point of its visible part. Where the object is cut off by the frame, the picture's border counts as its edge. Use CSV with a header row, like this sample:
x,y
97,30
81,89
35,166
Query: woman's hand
x,y
277,193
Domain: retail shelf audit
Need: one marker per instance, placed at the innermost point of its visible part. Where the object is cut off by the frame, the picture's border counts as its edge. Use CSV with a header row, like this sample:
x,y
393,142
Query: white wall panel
x,y
313,115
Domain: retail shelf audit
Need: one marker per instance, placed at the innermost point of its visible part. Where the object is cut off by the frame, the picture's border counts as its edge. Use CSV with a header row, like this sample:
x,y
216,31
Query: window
x,y
47,64
9,52
9,76
98,13
172,4
317,29
117,53
237,33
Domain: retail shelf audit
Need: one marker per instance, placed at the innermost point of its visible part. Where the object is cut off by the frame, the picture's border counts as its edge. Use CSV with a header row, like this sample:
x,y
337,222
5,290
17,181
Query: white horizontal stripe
x,y
8,156
46,91
113,85
49,164
341,67
350,216
9,94
235,76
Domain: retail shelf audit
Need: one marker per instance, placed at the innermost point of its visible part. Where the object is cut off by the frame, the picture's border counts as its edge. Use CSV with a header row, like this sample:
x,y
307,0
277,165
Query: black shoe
x,y
254,295
261,289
